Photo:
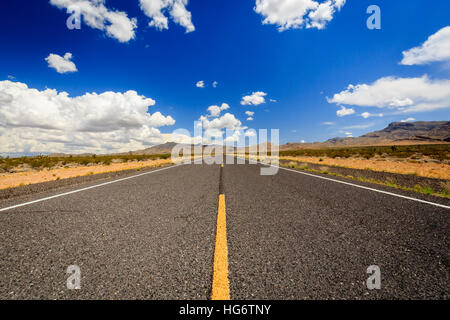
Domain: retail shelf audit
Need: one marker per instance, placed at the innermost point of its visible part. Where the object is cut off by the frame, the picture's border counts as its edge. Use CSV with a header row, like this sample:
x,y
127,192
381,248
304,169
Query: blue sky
x,y
298,67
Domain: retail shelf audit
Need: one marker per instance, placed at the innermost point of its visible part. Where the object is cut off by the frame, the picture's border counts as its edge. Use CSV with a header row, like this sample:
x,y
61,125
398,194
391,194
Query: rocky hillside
x,y
420,130
395,133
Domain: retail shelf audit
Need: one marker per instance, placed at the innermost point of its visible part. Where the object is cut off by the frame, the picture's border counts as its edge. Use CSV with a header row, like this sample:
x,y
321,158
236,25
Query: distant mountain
x,y
395,133
162,148
420,130
158,149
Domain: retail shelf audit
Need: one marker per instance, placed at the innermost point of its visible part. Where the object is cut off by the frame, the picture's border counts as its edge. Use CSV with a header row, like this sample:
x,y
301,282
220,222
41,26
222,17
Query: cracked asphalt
x,y
290,236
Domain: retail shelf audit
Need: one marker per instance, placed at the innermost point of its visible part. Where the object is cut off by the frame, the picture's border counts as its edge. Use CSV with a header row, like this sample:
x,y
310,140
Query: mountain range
x,y
396,133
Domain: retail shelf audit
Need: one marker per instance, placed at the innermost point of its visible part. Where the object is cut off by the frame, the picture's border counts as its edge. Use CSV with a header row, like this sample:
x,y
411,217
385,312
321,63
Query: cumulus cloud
x,y
200,84
345,111
435,48
233,137
116,24
249,113
287,14
255,99
227,121
408,120
366,115
156,10
250,119
216,127
250,133
61,64
52,121
215,111
401,94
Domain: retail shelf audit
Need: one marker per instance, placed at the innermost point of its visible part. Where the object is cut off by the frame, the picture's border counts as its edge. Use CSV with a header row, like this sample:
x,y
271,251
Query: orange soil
x,y
430,170
10,180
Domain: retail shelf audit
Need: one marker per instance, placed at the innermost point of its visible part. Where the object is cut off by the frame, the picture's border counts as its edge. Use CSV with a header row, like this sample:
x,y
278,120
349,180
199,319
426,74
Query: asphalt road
x,y
289,236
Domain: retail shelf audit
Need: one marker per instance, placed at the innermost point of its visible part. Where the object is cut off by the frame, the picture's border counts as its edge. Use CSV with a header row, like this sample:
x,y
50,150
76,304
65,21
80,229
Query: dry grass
x,y
430,170
10,180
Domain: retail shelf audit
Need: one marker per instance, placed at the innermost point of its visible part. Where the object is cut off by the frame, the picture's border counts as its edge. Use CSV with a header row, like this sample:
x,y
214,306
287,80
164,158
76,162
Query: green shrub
x,y
428,190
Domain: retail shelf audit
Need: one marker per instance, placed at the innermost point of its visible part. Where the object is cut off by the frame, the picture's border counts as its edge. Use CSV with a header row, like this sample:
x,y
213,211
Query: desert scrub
x,y
42,161
417,188
438,151
292,164
428,190
392,184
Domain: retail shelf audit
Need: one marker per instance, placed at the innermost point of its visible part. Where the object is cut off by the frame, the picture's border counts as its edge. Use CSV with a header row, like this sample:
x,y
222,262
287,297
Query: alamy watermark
x,y
74,280
374,280
74,20
374,20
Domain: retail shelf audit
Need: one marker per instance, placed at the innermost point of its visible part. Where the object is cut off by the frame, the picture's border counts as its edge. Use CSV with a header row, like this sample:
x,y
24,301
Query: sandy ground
x,y
10,180
430,170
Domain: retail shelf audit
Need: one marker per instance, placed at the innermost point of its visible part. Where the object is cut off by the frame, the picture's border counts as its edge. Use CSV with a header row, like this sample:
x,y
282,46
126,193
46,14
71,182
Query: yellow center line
x,y
220,285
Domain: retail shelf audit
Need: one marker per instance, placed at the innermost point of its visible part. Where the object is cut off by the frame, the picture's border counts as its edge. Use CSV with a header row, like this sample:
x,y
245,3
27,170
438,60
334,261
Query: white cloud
x,y
61,64
156,9
249,113
435,48
215,128
348,134
10,77
345,111
366,115
403,94
302,141
250,119
116,23
272,100
52,121
214,84
227,121
255,98
328,123
215,111
234,137
408,120
200,84
250,133
287,14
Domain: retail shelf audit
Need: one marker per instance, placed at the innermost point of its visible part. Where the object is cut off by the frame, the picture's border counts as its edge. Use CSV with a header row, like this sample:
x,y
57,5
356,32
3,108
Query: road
x,y
157,235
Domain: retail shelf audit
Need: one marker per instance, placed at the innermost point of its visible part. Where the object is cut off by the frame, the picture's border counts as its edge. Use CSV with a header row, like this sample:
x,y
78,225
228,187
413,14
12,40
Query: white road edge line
x,y
87,188
359,186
